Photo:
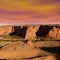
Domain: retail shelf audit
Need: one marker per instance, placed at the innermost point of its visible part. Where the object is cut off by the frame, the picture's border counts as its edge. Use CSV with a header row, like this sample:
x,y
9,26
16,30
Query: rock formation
x,y
58,34
43,30
54,33
31,32
22,50
19,31
6,30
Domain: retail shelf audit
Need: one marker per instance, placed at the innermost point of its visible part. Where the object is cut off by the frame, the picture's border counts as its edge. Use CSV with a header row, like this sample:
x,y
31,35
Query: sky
x,y
29,11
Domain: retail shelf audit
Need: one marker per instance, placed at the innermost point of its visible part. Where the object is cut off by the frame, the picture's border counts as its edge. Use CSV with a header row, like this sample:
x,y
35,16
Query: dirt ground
x,y
22,51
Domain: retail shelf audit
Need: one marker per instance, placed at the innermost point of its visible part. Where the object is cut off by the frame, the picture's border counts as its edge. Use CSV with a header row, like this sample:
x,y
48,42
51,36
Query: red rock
x,y
58,34
6,30
54,33
31,32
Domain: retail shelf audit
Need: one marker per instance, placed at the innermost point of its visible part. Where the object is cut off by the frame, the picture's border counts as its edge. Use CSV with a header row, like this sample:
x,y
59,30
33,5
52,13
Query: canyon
x,y
20,50
33,30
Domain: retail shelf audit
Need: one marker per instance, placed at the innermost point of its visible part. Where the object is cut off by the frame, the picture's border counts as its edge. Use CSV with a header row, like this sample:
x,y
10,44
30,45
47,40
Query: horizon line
x,y
30,23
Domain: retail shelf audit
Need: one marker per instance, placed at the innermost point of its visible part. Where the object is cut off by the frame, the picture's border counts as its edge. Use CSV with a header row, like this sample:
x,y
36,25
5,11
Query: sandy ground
x,y
18,50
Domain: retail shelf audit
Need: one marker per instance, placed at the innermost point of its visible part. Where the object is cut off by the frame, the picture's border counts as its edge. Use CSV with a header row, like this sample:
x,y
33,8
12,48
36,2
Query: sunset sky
x,y
29,11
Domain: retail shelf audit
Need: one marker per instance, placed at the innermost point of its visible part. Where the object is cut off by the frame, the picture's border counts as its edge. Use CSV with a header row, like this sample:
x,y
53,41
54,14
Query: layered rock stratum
x,y
32,31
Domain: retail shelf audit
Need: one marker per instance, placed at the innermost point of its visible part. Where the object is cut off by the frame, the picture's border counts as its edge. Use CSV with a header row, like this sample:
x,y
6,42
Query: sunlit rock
x,y
31,32
6,30
54,33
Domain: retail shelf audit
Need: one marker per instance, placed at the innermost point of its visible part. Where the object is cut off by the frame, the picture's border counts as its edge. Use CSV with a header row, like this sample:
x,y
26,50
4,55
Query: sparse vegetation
x,y
19,38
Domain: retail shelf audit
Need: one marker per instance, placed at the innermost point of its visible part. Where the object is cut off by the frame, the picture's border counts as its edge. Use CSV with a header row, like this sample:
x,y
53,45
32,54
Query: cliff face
x,y
6,30
43,30
54,33
30,32
19,31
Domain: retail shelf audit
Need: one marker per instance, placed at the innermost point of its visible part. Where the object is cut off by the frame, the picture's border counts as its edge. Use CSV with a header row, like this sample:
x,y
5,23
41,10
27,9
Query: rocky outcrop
x,y
19,31
6,30
21,49
31,32
43,30
54,33
27,32
58,34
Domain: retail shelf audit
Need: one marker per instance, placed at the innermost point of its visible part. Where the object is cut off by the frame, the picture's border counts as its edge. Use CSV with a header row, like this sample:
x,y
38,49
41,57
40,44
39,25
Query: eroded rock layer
x,y
32,31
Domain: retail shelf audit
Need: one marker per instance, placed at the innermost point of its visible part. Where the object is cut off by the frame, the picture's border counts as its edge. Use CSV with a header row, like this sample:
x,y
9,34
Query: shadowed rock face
x,y
23,31
27,32
54,33
19,31
43,30
30,32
